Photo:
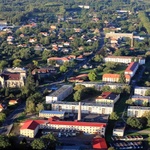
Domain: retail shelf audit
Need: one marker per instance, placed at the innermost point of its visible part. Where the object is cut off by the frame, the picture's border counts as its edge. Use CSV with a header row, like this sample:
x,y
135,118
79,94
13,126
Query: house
x,y
140,100
13,77
79,78
49,114
38,47
59,94
32,40
132,68
2,107
87,108
80,58
13,102
124,59
114,78
44,72
59,60
137,111
108,97
119,129
99,143
140,90
30,128
10,38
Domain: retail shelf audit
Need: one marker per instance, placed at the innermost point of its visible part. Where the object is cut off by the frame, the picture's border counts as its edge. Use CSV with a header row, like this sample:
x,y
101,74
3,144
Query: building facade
x,y
49,114
86,108
140,90
137,111
59,94
115,78
124,59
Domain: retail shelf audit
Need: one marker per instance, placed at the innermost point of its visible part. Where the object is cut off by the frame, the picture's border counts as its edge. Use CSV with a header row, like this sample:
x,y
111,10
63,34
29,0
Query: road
x,y
10,119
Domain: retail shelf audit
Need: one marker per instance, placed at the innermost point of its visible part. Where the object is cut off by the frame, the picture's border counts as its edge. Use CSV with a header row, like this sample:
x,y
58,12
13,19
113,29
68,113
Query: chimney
x,y
79,112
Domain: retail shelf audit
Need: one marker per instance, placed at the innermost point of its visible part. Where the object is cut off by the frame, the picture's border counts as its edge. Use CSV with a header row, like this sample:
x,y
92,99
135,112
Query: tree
x,y
92,76
2,117
38,144
77,95
122,78
35,62
30,107
98,58
111,148
17,63
79,87
147,93
114,116
39,107
129,102
4,142
63,68
134,122
3,64
105,88
6,91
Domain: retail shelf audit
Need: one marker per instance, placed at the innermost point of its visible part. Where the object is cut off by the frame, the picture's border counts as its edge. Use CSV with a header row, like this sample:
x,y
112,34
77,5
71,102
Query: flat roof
x,y
141,87
139,107
51,112
60,90
83,103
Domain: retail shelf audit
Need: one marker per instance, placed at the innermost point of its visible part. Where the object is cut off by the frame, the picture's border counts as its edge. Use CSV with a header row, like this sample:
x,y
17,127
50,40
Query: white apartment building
x,y
59,94
49,114
137,111
119,129
132,68
138,90
140,100
124,59
87,108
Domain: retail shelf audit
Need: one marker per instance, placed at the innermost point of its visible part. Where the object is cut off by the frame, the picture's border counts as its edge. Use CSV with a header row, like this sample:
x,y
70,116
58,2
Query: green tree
x,y
98,58
122,78
129,102
134,122
7,91
2,117
77,95
17,63
147,93
4,142
30,107
114,116
35,62
111,148
63,68
39,107
92,76
79,87
38,144
3,64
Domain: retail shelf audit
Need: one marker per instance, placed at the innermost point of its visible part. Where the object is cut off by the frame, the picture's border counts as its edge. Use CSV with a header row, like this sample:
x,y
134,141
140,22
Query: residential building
x,y
140,100
59,94
138,90
108,97
2,107
132,68
86,108
137,111
13,102
124,59
114,78
119,129
49,114
99,143
44,72
59,60
30,128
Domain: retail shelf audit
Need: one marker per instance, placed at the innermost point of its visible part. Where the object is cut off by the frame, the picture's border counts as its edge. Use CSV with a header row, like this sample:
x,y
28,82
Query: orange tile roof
x,y
99,144
111,76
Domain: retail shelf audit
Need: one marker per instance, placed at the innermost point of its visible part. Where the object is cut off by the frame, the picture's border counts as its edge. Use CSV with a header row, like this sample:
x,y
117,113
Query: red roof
x,y
76,123
32,124
131,67
99,144
115,76
11,76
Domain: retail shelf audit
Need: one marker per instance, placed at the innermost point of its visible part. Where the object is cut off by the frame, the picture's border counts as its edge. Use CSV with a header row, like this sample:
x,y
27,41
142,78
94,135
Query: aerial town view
x,y
75,75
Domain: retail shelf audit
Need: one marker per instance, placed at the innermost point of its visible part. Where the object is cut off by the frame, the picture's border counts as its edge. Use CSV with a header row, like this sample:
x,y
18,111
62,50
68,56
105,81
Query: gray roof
x,y
51,112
